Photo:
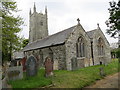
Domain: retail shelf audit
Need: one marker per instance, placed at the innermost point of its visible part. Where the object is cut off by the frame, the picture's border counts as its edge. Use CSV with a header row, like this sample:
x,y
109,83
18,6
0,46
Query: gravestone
x,y
102,73
74,63
31,66
48,67
15,73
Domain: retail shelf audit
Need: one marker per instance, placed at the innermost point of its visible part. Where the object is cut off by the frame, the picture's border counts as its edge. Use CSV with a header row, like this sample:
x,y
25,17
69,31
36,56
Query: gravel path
x,y
110,81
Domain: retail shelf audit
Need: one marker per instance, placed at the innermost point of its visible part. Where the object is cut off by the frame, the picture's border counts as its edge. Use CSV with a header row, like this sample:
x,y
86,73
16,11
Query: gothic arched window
x,y
100,47
80,46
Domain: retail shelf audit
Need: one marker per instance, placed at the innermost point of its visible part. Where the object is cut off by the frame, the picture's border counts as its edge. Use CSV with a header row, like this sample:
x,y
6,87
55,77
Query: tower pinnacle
x,y
34,7
46,10
30,11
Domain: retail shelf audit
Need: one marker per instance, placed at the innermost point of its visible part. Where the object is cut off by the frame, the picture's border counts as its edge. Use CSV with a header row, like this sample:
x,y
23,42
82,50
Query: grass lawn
x,y
67,79
82,77
31,82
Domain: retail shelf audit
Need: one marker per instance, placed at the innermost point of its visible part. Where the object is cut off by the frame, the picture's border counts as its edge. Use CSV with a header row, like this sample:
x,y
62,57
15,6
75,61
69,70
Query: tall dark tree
x,y
114,20
10,28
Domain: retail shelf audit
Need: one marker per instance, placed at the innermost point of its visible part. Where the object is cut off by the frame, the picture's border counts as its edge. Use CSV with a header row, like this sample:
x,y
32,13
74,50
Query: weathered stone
x,y
102,73
38,26
48,67
14,73
55,67
63,46
74,63
31,66
95,35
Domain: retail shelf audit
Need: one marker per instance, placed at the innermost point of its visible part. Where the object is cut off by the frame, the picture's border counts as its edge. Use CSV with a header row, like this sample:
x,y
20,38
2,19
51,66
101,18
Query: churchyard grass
x,y
31,82
82,77
67,79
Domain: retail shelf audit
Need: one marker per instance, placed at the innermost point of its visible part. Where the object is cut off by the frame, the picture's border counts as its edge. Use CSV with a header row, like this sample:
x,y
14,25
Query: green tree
x,y
114,20
10,29
115,52
25,42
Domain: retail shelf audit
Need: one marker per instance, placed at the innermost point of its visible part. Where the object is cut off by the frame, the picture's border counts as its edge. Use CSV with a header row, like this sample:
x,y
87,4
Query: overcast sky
x,y
63,14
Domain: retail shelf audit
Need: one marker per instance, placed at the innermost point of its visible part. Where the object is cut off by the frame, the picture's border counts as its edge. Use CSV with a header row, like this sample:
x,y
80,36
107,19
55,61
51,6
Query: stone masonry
x,y
70,49
38,25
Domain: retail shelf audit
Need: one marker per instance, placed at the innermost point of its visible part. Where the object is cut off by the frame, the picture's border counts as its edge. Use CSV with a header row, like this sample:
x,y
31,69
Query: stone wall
x,y
59,57
71,48
56,53
106,58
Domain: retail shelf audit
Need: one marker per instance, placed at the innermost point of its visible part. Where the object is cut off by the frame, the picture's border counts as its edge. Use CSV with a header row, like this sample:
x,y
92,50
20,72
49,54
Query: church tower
x,y
38,25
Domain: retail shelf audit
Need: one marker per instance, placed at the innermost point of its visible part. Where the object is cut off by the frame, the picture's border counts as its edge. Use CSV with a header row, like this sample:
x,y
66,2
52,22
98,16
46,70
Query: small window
x,y
41,23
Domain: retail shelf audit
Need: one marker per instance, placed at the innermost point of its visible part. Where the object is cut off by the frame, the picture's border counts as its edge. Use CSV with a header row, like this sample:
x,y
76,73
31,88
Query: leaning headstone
x,y
74,63
102,73
15,73
31,66
48,67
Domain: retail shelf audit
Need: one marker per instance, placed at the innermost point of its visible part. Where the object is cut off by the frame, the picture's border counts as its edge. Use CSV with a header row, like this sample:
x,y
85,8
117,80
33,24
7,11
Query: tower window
x,y
41,23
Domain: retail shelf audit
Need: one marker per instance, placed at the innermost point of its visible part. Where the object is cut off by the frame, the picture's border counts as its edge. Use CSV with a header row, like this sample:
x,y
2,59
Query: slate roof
x,y
55,39
91,33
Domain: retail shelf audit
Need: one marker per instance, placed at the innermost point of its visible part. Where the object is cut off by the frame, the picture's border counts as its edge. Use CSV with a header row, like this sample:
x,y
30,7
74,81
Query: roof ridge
x,y
52,34
54,39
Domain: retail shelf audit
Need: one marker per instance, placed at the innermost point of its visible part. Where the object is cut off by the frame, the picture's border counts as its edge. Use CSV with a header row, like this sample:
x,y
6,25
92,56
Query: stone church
x,y
69,49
